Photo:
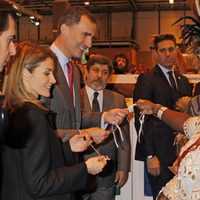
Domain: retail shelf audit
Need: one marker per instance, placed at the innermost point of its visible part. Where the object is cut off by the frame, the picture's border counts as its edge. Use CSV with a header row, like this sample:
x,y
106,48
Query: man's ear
x,y
26,74
64,28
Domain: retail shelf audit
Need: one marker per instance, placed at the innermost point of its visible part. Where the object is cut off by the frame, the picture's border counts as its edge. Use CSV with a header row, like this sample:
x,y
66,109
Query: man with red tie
x,y
76,30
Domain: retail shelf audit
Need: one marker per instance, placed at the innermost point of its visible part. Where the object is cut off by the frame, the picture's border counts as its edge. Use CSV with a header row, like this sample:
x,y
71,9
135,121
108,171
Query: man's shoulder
x,y
181,75
113,93
149,74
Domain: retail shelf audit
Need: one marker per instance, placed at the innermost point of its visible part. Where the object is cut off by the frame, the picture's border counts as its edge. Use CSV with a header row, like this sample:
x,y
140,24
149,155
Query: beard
x,y
120,69
98,85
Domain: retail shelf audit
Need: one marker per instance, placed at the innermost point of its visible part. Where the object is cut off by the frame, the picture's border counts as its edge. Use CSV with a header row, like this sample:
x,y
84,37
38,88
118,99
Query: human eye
x,y
162,50
93,38
105,72
171,49
96,70
85,34
47,72
12,38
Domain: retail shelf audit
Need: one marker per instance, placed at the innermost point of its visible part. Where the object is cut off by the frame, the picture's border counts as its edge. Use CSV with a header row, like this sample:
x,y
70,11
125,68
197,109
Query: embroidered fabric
x,y
191,126
186,184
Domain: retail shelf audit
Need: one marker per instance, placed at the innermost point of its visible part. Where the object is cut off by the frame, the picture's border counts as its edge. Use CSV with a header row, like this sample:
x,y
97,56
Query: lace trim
x,y
191,126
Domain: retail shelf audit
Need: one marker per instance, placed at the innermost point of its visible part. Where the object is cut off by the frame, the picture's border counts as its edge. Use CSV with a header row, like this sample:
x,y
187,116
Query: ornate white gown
x,y
186,184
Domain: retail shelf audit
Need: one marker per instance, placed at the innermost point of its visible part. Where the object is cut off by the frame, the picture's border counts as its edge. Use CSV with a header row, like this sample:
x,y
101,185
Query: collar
x,y
90,91
164,70
61,57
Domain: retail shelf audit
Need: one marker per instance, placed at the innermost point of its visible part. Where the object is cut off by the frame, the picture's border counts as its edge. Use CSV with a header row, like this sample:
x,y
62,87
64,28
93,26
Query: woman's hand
x,y
96,164
79,143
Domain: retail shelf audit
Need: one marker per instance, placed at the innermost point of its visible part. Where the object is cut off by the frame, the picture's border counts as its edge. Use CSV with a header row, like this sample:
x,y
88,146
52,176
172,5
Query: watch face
x,y
150,156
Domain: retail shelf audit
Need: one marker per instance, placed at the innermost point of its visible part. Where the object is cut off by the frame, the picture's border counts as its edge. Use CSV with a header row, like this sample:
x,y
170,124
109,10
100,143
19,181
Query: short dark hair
x,y
102,60
72,15
121,55
164,37
4,16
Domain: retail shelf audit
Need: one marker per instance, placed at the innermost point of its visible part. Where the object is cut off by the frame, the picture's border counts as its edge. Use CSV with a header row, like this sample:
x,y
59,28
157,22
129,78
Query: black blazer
x,y
157,138
197,89
3,118
34,166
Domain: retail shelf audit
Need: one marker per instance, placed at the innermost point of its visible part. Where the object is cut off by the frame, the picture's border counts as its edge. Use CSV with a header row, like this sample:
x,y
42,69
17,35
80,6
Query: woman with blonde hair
x,y
34,163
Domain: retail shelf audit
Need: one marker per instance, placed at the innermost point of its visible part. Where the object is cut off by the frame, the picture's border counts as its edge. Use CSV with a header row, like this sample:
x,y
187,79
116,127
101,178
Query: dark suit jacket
x,y
3,118
3,122
157,138
197,89
120,157
33,161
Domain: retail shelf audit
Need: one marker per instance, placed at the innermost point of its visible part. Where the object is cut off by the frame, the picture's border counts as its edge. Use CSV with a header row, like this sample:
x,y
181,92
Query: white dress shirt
x,y
165,71
90,93
63,60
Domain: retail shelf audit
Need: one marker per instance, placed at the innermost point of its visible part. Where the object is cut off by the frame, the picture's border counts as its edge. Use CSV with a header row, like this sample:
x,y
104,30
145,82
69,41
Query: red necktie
x,y
70,78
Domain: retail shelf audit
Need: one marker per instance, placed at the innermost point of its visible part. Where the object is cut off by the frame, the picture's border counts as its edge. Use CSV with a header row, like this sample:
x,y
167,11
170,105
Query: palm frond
x,y
189,31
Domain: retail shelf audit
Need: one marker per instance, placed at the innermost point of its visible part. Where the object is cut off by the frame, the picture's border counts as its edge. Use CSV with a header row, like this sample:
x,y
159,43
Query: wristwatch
x,y
150,156
160,112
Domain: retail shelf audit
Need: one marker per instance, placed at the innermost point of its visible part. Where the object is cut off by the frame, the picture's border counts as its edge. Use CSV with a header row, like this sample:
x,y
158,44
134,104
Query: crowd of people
x,y
59,141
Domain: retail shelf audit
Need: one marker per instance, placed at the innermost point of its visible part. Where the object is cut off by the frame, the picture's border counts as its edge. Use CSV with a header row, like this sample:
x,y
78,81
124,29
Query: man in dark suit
x,y
196,89
7,49
155,143
99,70
76,29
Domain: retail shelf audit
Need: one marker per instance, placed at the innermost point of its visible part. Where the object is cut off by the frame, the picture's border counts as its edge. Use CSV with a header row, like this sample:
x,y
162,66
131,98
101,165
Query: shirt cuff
x,y
103,124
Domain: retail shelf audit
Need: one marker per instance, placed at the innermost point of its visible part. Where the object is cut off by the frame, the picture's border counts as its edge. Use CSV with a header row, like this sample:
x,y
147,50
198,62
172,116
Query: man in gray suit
x,y
99,70
76,29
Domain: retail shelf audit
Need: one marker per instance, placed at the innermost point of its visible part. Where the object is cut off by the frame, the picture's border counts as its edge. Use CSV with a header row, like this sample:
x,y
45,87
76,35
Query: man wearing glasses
x,y
162,85
95,98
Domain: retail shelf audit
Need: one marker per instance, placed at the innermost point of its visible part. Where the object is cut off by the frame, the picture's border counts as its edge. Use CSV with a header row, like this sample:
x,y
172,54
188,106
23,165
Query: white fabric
x,y
186,184
165,72
90,93
191,126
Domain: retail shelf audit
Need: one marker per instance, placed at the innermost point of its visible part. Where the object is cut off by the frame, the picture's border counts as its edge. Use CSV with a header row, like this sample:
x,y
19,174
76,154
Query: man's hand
x,y
96,164
98,135
146,107
78,143
153,166
115,116
120,178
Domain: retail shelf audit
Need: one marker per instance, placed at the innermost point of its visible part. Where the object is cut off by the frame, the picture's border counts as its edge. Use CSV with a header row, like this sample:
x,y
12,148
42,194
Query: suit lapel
x,y
107,101
63,86
179,81
85,100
